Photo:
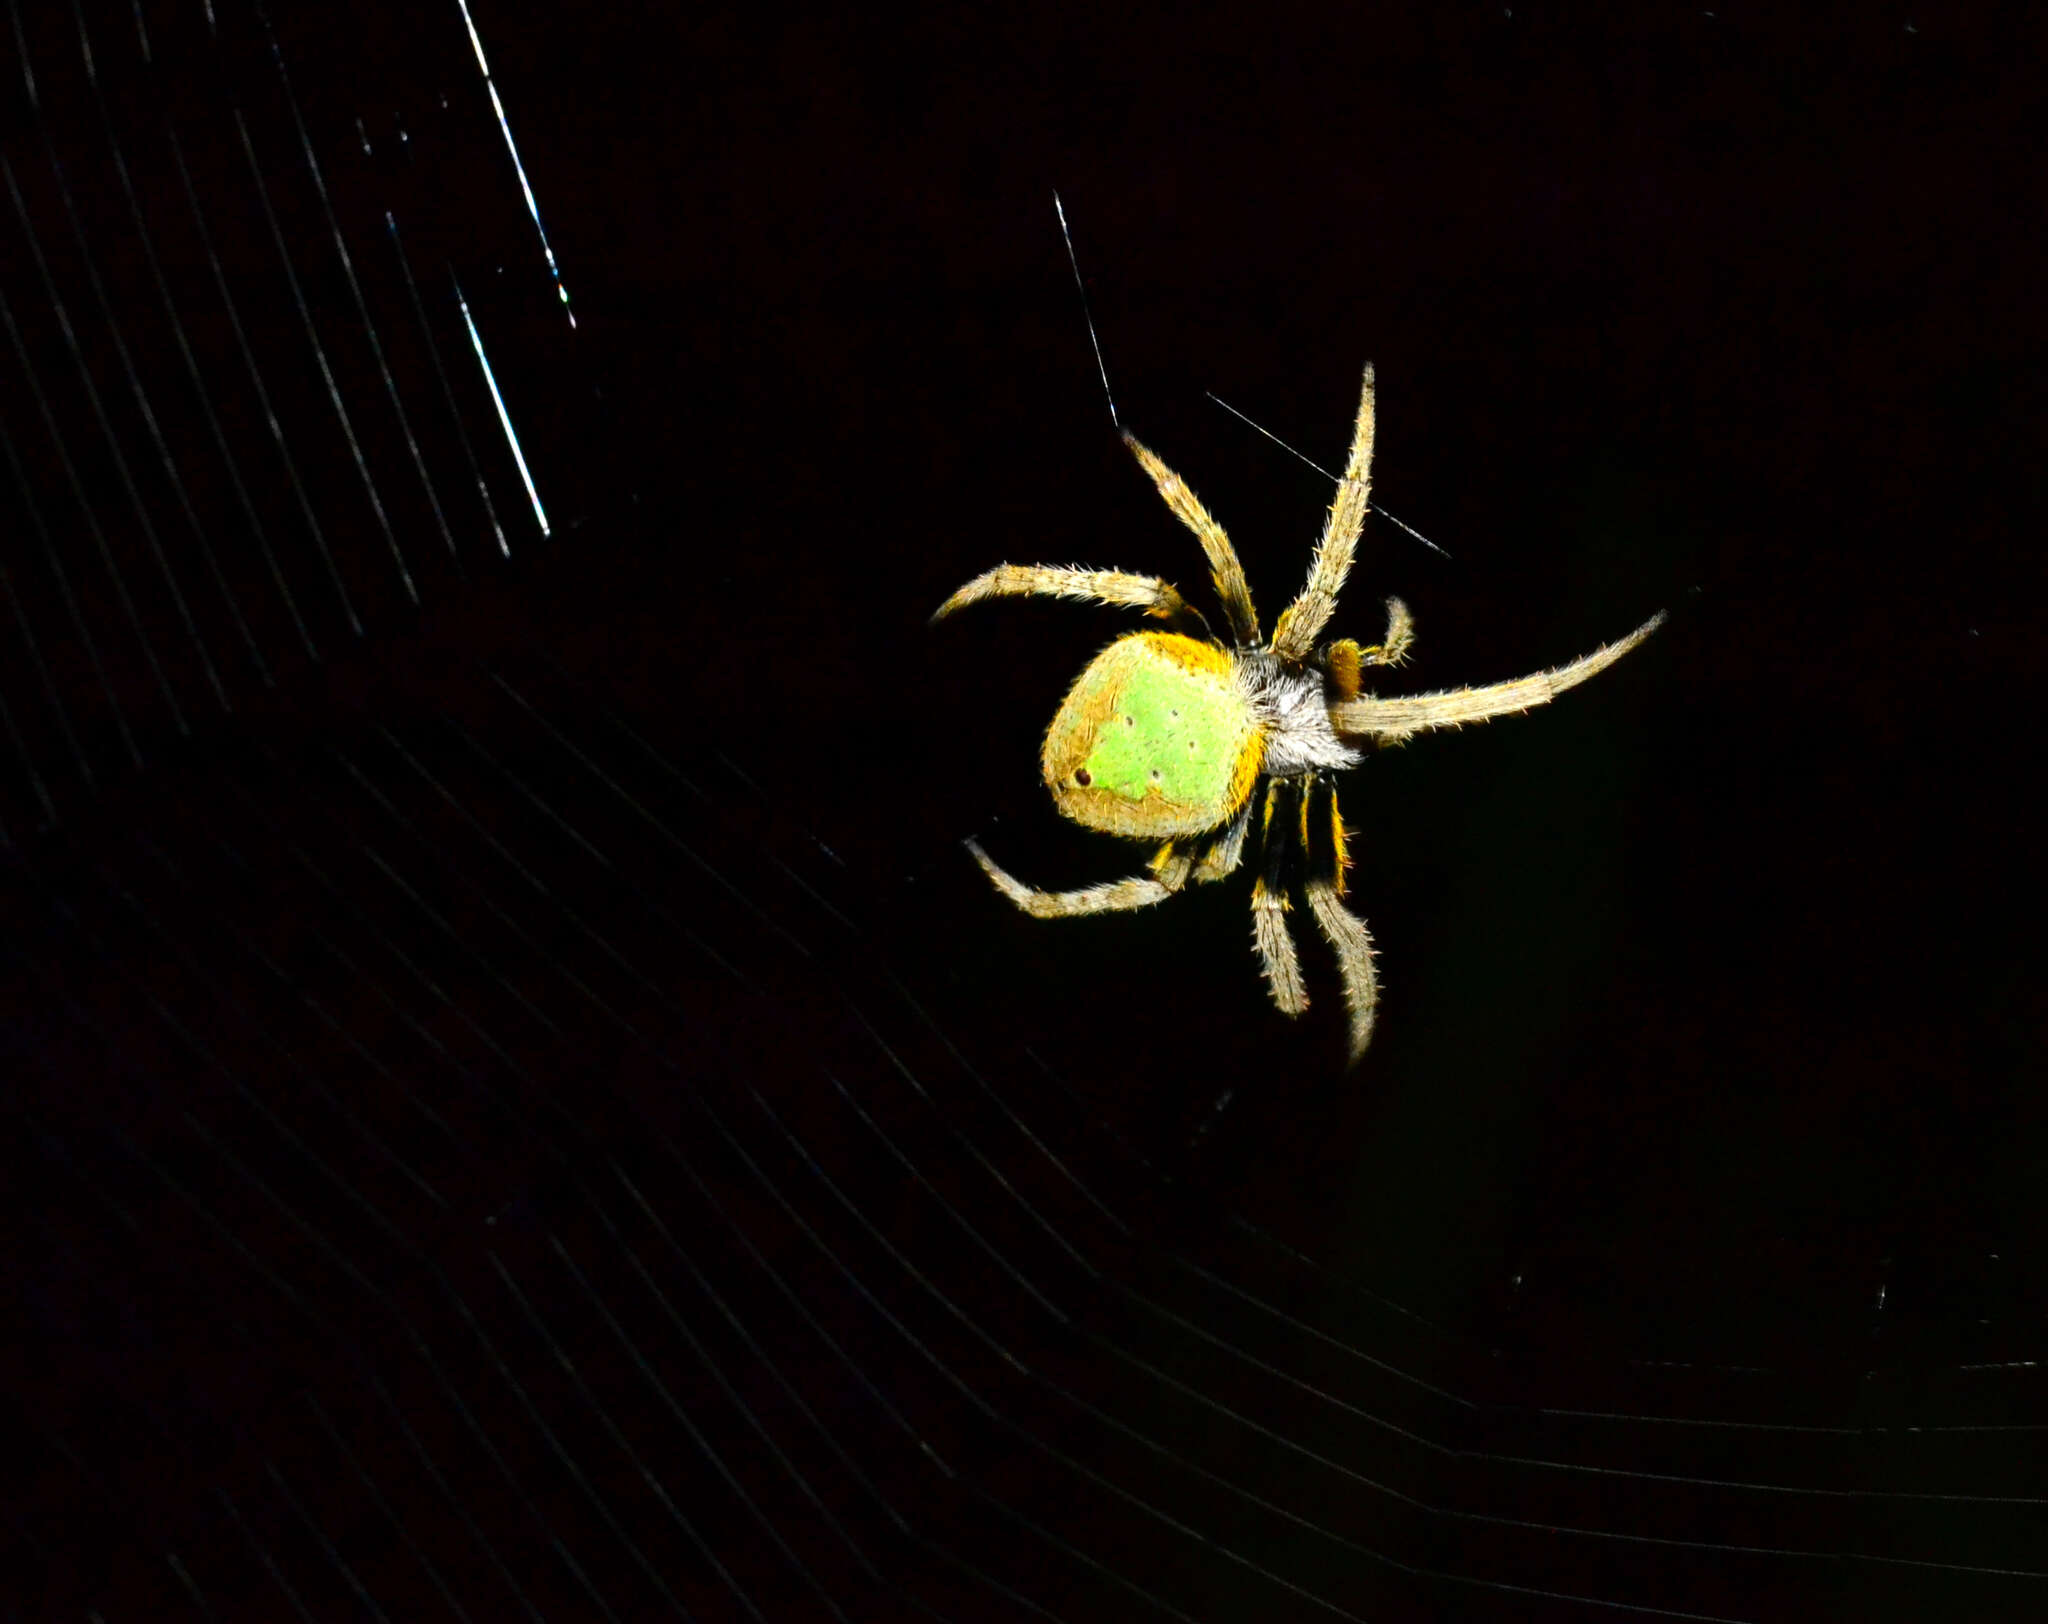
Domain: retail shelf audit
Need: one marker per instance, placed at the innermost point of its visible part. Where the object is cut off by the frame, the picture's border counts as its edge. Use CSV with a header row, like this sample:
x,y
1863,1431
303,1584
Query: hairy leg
x,y
1226,851
1170,868
1344,930
1156,597
1224,568
1305,618
1391,720
1270,935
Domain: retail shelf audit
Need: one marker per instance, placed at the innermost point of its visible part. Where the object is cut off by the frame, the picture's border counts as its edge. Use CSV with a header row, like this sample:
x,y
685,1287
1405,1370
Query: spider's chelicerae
x,y
1168,734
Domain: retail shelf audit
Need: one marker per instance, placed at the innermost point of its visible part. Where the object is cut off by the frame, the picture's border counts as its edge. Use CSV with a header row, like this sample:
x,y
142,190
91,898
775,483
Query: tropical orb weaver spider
x,y
1167,735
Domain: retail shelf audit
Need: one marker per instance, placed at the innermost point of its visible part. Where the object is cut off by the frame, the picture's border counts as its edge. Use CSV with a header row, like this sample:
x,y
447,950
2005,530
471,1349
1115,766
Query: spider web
x,y
474,1153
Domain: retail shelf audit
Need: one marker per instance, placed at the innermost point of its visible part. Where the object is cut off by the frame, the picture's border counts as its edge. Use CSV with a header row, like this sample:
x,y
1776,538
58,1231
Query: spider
x,y
1168,735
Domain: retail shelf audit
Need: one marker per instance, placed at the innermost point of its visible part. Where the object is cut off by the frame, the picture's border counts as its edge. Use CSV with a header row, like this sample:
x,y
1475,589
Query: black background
x,y
1708,1080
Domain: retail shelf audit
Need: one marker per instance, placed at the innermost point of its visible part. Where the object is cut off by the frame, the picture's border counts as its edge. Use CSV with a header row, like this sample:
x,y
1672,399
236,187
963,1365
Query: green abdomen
x,y
1153,740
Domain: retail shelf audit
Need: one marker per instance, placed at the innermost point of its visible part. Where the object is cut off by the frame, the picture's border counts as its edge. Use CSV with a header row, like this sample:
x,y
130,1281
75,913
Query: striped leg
x,y
1345,931
1270,935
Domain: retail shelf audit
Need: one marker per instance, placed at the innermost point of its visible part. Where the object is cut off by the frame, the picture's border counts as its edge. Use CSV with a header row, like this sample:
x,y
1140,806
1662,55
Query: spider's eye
x,y
1081,777
1155,775
1130,722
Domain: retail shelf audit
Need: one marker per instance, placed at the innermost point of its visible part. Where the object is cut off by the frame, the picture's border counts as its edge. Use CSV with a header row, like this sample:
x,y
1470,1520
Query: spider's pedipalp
x,y
1304,619
1346,933
1270,935
1224,569
1393,648
1139,891
1157,597
1344,659
1391,720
